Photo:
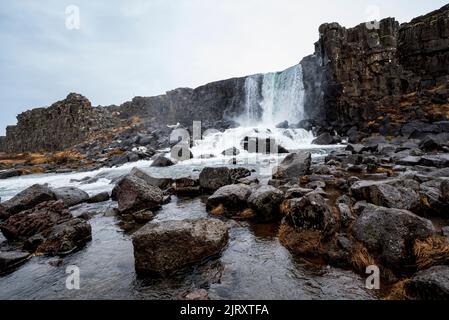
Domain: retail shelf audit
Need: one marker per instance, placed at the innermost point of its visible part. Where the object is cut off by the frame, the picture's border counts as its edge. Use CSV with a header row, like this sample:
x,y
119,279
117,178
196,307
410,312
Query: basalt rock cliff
x,y
380,76
57,127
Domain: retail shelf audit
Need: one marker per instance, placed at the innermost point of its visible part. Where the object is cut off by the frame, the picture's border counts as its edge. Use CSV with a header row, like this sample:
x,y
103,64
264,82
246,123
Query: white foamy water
x,y
274,97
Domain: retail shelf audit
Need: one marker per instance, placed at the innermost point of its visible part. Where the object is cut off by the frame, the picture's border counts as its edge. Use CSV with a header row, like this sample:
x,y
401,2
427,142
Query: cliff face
x,y
63,124
379,79
209,103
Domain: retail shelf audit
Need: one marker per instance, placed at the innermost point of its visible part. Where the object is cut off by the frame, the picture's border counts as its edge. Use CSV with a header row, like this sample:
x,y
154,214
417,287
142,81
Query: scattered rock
x,y
445,191
212,179
266,201
27,199
100,197
67,237
386,194
71,196
168,246
430,284
41,218
325,139
310,212
161,161
11,259
9,174
134,194
294,166
283,125
162,183
231,198
231,152
391,233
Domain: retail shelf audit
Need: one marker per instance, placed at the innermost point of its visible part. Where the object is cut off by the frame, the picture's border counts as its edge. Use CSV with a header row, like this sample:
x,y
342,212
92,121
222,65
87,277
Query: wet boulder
x,y
432,199
391,233
27,199
187,186
310,212
6,174
430,284
239,173
438,160
388,193
445,191
231,152
66,237
266,201
164,247
162,183
283,125
294,166
161,161
346,215
230,199
135,194
212,179
99,197
326,139
11,259
41,218
71,196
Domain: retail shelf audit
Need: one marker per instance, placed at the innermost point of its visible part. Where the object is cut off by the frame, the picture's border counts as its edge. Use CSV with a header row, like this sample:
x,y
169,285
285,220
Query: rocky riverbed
x,y
306,227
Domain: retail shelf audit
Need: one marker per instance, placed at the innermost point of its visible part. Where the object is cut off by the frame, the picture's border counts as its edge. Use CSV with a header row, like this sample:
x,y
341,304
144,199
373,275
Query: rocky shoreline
x,y
382,203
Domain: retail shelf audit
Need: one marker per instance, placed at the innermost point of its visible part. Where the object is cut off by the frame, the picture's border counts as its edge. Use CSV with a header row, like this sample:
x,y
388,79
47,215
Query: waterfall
x,y
252,105
274,97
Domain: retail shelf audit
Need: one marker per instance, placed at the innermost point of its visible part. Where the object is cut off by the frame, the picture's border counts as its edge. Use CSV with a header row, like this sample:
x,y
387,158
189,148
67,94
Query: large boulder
x,y
212,179
167,246
445,191
27,199
430,284
389,193
162,183
71,196
391,233
66,237
134,194
11,259
310,212
161,161
231,199
325,139
99,197
41,218
294,166
266,201
6,174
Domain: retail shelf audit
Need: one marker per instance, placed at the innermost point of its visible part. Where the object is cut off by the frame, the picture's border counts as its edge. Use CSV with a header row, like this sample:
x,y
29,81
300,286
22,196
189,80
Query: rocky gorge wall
x,y
379,79
210,103
57,127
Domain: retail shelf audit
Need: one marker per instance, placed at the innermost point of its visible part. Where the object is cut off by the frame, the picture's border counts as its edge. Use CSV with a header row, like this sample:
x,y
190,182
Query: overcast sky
x,y
129,48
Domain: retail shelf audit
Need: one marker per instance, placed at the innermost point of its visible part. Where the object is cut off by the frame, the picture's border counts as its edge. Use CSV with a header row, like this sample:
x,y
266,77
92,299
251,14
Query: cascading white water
x,y
274,97
269,99
283,96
